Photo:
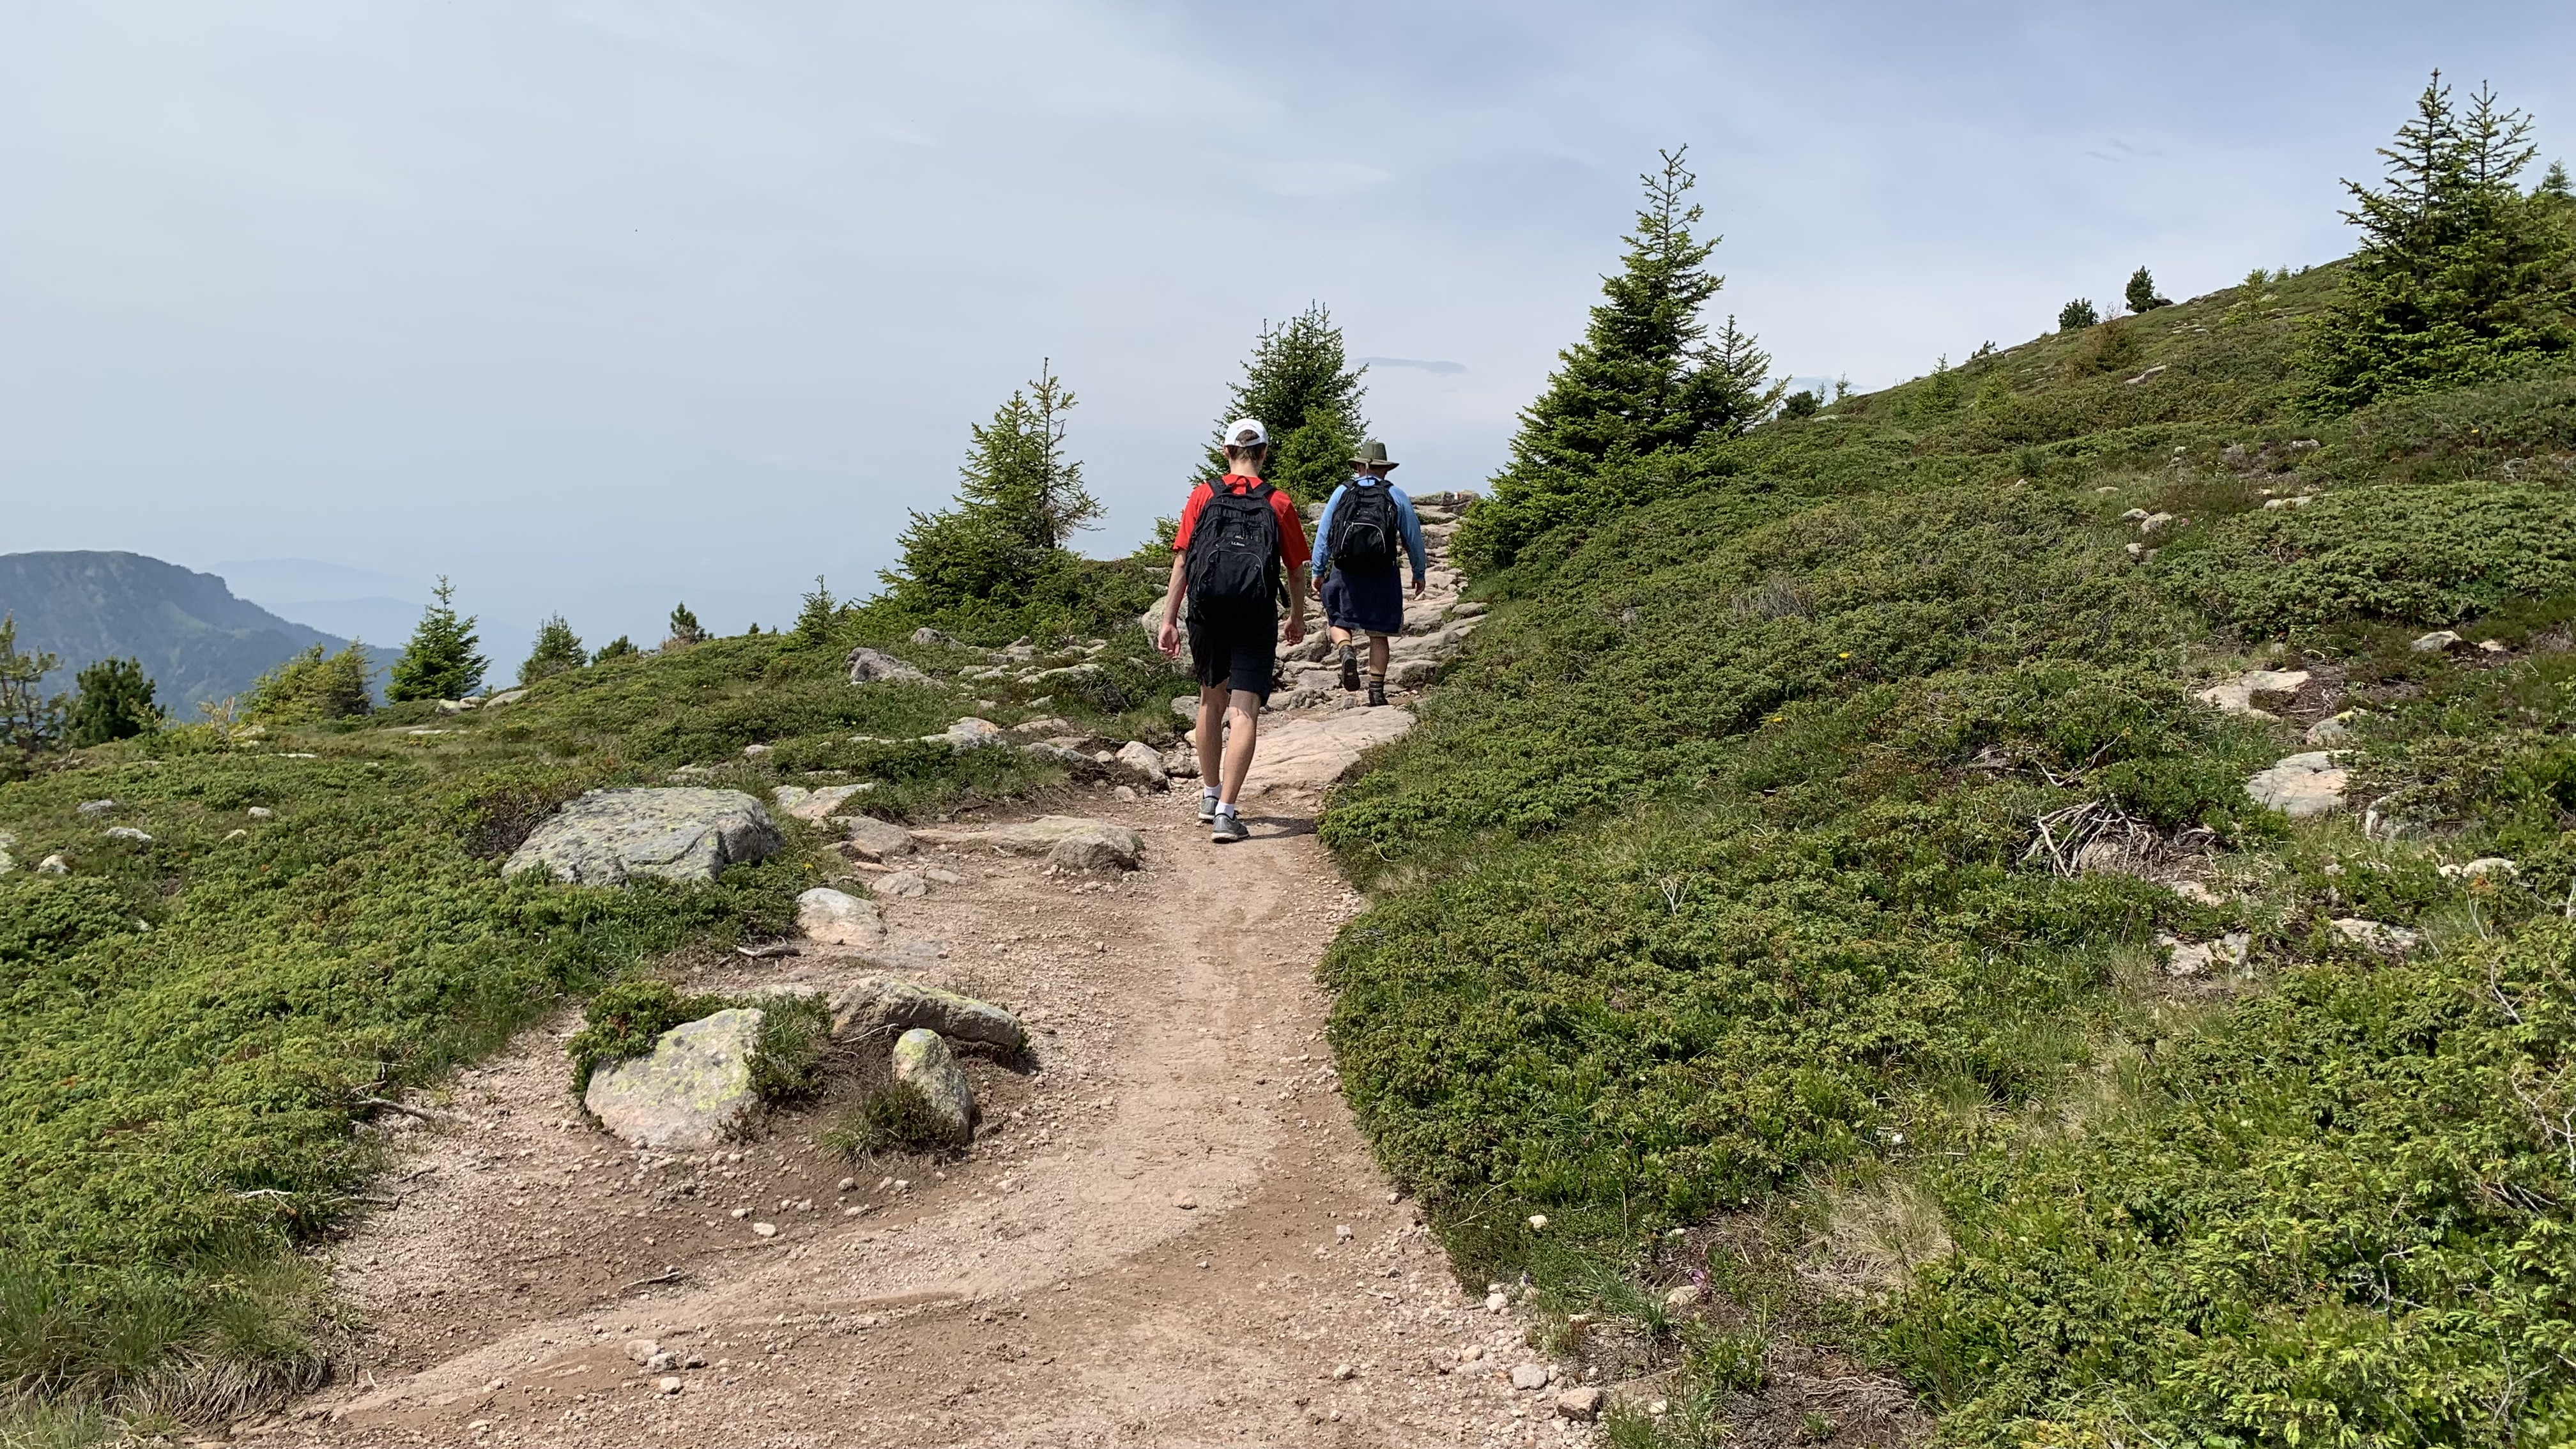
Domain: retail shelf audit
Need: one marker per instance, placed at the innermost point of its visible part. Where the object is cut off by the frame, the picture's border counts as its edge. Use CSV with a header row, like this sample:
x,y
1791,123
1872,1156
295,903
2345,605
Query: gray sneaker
x,y
1207,809
1226,829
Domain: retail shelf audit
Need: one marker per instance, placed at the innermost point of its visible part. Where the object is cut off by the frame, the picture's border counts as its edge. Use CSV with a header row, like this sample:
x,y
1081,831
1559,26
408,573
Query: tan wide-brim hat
x,y
1371,454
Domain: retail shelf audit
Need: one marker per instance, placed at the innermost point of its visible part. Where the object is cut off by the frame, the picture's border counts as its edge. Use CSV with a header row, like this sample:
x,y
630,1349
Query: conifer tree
x,y
820,612
2459,272
684,627
2077,315
30,721
558,651
2141,294
620,647
440,662
1645,380
1300,384
114,702
1019,502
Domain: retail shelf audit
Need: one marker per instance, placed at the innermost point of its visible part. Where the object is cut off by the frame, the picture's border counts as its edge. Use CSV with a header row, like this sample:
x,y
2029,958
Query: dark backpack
x,y
1366,531
1234,553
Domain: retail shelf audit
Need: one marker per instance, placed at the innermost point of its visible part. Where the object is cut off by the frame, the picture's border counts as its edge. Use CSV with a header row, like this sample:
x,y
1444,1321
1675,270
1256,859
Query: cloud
x,y
1444,369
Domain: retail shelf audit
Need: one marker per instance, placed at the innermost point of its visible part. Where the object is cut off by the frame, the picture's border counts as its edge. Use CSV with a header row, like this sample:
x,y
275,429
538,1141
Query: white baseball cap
x,y
1246,433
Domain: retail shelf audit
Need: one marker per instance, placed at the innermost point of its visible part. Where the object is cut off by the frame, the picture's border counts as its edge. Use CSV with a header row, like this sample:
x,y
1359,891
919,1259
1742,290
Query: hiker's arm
x,y
1296,606
1412,538
1168,638
1323,532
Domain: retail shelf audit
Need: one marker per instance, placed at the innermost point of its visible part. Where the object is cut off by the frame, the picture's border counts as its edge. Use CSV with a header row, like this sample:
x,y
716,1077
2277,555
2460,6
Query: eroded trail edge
x,y
1170,1231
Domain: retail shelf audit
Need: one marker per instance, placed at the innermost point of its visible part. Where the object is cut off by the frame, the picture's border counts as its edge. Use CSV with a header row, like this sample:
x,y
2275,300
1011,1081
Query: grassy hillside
x,y
1713,895
195,1020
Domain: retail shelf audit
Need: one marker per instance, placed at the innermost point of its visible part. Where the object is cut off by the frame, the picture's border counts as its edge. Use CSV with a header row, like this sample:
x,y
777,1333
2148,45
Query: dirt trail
x,y
1170,1232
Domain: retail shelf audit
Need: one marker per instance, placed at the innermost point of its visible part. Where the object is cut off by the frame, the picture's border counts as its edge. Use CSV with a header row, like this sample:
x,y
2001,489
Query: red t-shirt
x,y
1292,534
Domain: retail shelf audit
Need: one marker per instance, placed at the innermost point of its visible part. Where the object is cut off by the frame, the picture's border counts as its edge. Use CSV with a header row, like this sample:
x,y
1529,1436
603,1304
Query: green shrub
x,y
2077,315
2337,1216
894,1117
2405,554
557,651
114,702
310,687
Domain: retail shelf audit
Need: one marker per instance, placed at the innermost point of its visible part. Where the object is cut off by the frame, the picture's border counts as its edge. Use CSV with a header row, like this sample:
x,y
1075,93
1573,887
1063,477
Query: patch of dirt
x,y
1169,1231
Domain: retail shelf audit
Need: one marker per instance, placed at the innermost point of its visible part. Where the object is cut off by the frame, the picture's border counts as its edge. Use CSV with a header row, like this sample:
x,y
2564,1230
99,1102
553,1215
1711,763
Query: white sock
x,y
1226,808
1207,794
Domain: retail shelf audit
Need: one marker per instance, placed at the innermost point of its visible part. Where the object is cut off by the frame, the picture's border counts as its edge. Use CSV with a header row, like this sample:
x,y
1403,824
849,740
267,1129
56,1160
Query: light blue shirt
x,y
1403,516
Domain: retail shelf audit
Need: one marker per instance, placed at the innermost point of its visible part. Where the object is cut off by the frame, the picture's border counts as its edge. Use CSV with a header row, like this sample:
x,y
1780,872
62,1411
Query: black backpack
x,y
1366,531
1234,553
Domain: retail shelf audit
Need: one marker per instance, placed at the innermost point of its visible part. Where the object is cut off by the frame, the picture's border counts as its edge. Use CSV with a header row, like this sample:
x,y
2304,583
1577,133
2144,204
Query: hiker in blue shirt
x,y
1356,541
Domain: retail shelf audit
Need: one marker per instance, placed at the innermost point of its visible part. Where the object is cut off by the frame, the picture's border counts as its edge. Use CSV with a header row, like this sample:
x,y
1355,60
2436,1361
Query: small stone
x,y
1345,1371
764,1230
2334,729
260,812
1126,794
2377,936
849,1184
1582,1404
754,752
924,1062
2483,866
2301,785
2134,515
837,918
2154,521
665,1359
1495,1302
128,834
95,808
641,1350
1527,1376
2492,646
1184,1200
871,666
668,1383
1341,1232
740,1213
2435,642
902,885
1682,1297
867,838
1538,1222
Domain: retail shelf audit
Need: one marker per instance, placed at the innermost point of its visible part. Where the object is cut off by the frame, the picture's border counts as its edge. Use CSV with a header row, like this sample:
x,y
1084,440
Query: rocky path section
x,y
1168,1231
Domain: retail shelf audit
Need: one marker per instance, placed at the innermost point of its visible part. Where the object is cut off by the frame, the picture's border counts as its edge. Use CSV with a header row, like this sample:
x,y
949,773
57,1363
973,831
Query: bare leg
x,y
1379,650
1341,636
1243,718
1211,737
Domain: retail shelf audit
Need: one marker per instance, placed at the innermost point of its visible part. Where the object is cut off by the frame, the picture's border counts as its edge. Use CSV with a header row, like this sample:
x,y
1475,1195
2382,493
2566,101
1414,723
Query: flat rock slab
x,y
1066,840
923,1062
837,918
872,1002
1311,753
869,838
691,1092
2301,785
681,833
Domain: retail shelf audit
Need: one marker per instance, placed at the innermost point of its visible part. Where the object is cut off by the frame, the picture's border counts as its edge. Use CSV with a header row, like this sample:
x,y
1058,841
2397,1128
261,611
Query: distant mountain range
x,y
195,639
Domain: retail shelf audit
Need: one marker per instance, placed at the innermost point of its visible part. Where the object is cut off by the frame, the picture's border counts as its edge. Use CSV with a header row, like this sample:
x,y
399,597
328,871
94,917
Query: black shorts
x,y
1239,651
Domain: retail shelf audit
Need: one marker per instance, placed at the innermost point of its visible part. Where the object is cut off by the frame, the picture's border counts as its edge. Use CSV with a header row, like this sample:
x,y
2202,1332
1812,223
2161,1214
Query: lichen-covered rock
x,y
872,1002
872,666
837,918
2256,692
691,1091
682,833
2301,785
969,733
872,839
1041,836
923,1062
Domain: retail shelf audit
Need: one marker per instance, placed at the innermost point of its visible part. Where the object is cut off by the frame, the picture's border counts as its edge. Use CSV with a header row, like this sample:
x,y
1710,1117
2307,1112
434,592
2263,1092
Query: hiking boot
x,y
1350,670
1207,809
1377,692
1227,829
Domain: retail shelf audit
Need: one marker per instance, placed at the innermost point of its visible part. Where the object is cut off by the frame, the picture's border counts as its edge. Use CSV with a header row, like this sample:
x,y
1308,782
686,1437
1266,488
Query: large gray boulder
x,y
872,1002
923,1062
691,1091
682,833
871,666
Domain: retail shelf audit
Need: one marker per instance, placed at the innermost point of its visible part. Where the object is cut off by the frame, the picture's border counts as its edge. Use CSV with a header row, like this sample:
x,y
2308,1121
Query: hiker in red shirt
x,y
1238,536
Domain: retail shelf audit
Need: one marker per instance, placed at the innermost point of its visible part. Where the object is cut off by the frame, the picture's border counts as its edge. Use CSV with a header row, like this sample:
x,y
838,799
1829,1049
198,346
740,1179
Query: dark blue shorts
x,y
1369,603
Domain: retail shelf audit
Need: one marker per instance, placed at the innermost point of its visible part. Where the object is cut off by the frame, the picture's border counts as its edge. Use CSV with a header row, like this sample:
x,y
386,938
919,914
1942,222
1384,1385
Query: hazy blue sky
x,y
597,304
